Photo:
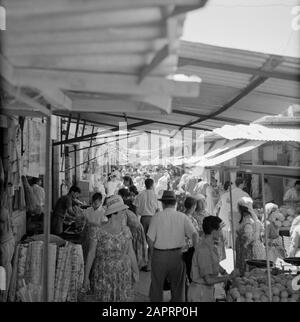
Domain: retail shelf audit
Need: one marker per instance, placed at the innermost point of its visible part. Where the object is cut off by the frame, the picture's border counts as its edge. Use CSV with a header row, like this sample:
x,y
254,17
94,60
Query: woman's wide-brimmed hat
x,y
114,204
168,195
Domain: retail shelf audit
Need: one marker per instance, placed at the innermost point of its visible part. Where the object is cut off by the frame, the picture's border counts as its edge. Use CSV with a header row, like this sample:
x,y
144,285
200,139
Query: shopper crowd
x,y
175,225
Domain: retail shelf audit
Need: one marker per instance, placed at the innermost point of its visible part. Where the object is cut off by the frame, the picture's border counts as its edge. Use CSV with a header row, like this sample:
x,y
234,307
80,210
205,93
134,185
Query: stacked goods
x,y
69,273
253,287
32,204
14,276
65,271
284,216
77,273
51,273
21,266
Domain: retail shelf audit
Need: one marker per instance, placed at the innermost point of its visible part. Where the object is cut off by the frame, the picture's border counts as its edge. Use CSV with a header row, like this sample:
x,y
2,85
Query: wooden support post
x,y
77,126
266,236
47,213
83,128
232,227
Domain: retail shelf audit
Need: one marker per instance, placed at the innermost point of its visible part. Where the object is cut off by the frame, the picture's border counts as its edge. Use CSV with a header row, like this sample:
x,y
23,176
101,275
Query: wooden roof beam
x,y
178,10
35,7
93,19
158,58
174,27
108,83
21,97
87,48
85,36
53,95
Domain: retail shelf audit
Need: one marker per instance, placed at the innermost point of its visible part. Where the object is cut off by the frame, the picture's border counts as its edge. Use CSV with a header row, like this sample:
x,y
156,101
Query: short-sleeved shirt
x,y
168,229
292,195
62,205
205,262
146,203
40,194
95,216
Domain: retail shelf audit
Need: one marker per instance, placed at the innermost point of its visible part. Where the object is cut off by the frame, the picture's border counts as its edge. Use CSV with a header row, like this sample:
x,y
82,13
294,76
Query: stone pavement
x,y
142,287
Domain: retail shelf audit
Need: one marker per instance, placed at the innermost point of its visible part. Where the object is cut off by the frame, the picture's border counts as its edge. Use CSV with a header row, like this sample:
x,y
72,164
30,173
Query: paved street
x,y
142,288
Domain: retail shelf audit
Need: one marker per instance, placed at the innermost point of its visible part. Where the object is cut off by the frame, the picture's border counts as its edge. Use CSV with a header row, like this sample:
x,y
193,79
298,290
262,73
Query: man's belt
x,y
169,249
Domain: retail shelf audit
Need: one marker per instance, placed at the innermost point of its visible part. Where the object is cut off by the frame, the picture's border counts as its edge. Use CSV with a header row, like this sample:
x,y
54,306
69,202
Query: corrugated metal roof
x,y
226,72
258,132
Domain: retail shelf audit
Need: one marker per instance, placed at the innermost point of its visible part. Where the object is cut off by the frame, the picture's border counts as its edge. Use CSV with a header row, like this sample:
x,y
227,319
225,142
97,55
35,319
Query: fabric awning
x,y
227,152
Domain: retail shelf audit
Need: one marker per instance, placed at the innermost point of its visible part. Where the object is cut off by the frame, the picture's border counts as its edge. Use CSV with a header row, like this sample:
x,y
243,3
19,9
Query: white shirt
x,y
224,213
111,188
95,216
268,193
99,187
168,229
40,194
292,195
146,203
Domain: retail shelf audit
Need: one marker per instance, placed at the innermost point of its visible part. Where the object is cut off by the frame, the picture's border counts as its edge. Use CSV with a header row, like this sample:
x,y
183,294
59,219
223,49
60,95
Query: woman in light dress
x,y
111,267
276,248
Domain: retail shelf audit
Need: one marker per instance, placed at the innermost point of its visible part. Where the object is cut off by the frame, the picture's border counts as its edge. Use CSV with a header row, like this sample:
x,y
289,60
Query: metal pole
x,y
266,236
232,225
47,213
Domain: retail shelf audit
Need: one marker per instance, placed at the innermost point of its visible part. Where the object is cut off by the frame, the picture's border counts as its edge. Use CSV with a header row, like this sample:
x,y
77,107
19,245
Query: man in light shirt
x,y
293,194
39,192
99,186
166,236
146,206
112,185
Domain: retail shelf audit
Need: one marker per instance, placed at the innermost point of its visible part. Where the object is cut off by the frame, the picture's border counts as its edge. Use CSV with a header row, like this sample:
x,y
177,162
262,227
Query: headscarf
x,y
248,203
269,209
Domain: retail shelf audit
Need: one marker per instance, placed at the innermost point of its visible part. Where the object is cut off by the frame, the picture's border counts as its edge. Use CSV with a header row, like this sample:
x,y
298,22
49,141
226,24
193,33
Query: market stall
x,y
288,172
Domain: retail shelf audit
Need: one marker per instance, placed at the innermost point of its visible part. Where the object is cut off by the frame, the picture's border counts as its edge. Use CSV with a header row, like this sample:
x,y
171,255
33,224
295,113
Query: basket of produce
x,y
259,263
253,287
284,217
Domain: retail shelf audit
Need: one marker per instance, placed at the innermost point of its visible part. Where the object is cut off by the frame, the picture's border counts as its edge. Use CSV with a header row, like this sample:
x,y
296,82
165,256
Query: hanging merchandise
x,y
32,204
66,269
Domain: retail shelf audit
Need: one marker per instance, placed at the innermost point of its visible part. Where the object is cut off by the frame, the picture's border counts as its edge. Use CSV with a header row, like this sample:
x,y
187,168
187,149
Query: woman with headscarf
x,y
200,213
249,235
294,250
276,248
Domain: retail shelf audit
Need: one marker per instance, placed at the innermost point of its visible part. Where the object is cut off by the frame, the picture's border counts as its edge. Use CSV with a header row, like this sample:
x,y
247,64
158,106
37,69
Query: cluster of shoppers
x,y
179,237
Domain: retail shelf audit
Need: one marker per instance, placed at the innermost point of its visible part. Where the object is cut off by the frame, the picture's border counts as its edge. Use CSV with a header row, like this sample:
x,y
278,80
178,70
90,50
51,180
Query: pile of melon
x,y
254,288
284,216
